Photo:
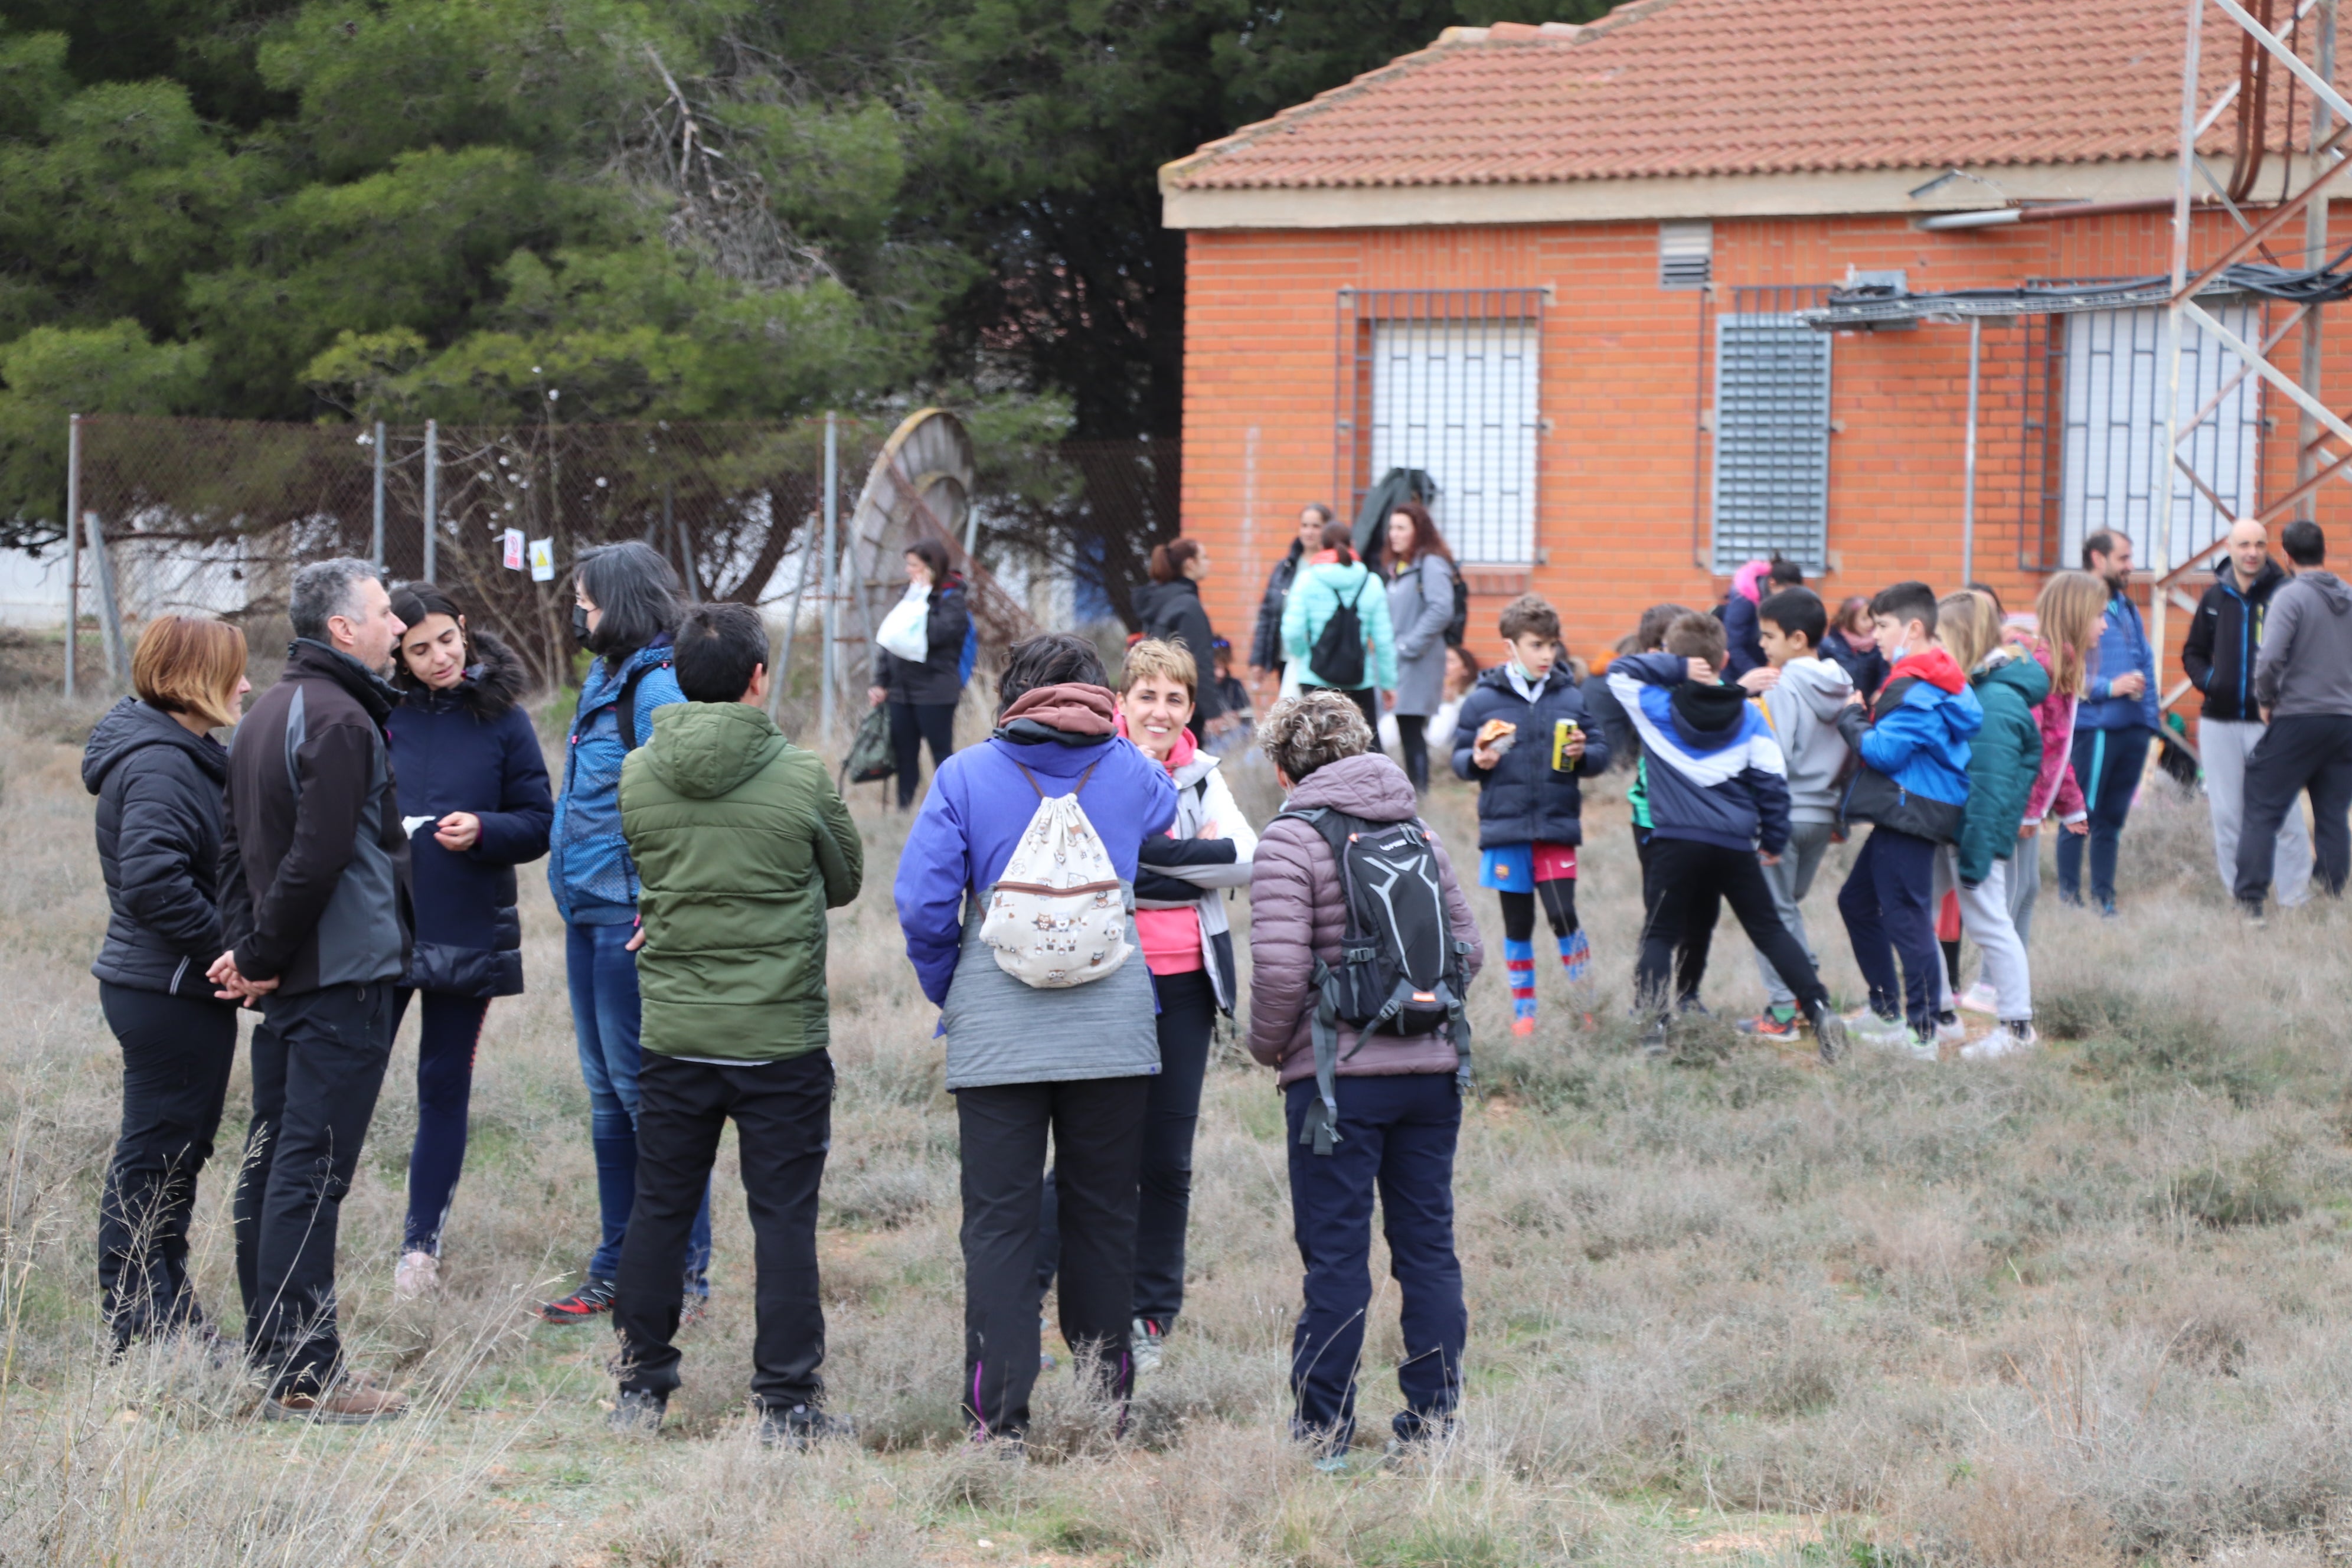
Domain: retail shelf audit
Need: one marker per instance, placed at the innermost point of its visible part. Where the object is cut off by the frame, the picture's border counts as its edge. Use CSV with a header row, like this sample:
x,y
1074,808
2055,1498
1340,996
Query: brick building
x,y
1563,269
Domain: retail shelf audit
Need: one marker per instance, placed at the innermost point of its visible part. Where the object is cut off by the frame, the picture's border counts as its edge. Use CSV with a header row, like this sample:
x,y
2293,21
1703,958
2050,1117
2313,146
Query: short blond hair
x,y
186,665
1153,660
1968,626
1313,730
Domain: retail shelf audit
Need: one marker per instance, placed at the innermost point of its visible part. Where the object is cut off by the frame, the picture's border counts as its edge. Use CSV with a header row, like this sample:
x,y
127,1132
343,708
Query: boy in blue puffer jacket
x,y
1718,815
1913,740
1530,809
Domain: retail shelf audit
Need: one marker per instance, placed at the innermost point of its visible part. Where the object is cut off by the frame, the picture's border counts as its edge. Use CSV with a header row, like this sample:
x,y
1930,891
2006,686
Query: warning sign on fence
x,y
513,549
543,560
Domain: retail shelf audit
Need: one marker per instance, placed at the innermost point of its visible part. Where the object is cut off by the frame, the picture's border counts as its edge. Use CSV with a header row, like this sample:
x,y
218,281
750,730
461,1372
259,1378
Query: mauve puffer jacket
x,y
1297,912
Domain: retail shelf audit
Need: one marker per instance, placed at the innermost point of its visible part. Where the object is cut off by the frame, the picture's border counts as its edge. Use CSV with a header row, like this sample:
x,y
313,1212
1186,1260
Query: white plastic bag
x,y
1057,917
907,629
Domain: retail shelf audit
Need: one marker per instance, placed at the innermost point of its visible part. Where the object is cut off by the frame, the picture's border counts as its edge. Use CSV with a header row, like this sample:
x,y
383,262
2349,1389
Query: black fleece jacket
x,y
314,866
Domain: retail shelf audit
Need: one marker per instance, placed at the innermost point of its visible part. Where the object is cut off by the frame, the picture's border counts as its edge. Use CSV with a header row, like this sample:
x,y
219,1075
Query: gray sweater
x,y
2306,660
1802,711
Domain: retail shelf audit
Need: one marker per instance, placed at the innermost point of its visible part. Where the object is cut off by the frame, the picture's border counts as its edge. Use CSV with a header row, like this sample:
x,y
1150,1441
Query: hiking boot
x,y
1770,1026
802,1427
637,1414
591,1300
417,1274
2007,1040
349,1401
1147,1336
2251,909
1427,1442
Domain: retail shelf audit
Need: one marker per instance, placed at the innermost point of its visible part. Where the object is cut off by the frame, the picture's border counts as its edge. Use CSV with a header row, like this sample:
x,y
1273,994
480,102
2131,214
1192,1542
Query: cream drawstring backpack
x,y
1057,917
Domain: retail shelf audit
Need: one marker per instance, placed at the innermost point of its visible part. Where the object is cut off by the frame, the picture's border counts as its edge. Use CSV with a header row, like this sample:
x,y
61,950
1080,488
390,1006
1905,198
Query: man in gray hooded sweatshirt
x,y
1800,693
2304,685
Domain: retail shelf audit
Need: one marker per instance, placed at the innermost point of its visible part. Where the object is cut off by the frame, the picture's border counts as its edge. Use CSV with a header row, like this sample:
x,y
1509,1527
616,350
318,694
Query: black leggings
x,y
1412,742
1367,701
1558,897
446,1044
911,724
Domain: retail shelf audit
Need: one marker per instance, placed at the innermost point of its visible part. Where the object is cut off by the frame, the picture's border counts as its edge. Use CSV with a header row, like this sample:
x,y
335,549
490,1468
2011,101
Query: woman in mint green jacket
x,y
1327,581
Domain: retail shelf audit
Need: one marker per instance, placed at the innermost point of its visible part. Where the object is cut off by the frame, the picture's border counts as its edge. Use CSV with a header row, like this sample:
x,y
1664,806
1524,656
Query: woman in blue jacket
x,y
466,762
625,610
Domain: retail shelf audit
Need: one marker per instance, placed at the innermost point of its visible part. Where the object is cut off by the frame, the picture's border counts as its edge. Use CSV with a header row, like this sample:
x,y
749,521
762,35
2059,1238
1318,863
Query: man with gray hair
x,y
314,877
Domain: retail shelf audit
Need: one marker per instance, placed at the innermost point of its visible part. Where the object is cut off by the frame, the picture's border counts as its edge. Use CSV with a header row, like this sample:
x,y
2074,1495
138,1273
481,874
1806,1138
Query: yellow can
x,y
1562,732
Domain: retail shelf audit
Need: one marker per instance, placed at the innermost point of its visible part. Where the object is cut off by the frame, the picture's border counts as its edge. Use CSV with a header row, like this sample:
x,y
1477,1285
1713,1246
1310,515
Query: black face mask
x,y
580,626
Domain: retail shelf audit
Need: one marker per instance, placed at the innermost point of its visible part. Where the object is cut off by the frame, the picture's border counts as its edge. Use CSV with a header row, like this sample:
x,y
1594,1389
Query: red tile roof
x,y
1663,87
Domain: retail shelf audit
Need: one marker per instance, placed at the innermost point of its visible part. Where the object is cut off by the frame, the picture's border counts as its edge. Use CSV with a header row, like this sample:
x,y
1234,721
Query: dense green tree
x,y
718,208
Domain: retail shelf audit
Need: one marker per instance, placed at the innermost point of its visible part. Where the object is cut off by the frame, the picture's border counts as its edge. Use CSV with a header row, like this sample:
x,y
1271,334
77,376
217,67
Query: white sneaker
x,y
419,1274
1981,998
1873,1029
2006,1040
1951,1031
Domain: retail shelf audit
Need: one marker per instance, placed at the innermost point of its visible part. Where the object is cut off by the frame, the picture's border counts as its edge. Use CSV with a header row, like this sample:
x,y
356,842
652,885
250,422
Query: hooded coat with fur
x,y
470,748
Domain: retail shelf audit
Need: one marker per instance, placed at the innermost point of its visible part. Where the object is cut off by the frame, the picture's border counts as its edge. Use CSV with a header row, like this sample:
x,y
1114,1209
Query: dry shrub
x,y
2012,1516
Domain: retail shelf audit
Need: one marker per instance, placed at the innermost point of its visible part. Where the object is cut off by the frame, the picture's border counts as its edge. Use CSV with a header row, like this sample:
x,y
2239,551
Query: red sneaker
x,y
1771,1029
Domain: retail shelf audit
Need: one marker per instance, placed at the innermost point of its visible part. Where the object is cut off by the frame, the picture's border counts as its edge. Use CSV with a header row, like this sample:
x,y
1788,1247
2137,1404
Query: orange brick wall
x,y
1621,519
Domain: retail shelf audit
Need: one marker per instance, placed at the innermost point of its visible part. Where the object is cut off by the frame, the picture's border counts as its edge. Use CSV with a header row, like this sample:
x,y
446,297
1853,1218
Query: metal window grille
x,y
1446,381
1772,431
1686,254
2110,457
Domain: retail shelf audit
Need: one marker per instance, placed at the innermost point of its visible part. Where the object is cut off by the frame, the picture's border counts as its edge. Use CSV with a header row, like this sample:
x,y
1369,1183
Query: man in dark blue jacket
x,y
1718,815
2113,727
2225,638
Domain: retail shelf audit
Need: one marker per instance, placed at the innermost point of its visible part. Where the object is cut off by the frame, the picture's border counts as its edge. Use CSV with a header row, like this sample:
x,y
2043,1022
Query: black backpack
x,y
1401,970
1458,623
1338,657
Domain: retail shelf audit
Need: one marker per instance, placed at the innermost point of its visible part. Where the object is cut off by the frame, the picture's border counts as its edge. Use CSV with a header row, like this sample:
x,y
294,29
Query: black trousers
x,y
1412,744
1698,933
784,1127
1096,1126
318,1066
1172,1115
1685,882
1368,702
2302,751
911,724
176,1052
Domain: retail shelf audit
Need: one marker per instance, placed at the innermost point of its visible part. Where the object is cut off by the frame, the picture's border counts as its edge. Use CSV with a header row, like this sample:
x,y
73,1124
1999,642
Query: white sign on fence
x,y
543,560
512,544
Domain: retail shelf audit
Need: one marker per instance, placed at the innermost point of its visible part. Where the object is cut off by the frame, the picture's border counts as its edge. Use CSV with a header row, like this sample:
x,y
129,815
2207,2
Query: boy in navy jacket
x,y
1913,740
1530,810
1718,815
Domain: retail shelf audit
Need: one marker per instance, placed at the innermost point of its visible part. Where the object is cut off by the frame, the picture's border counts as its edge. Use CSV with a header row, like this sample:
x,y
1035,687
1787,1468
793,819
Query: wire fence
x,y
211,517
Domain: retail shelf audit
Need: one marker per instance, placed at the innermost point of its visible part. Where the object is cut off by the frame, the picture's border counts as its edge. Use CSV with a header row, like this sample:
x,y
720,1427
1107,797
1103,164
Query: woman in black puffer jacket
x,y
473,785
157,774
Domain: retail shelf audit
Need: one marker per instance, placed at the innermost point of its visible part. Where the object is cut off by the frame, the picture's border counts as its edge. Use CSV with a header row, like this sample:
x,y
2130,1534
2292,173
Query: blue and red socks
x,y
1519,961
1575,956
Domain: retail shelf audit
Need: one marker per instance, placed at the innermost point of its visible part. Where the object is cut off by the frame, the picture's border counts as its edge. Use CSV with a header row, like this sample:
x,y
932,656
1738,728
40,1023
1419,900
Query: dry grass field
x,y
2094,1307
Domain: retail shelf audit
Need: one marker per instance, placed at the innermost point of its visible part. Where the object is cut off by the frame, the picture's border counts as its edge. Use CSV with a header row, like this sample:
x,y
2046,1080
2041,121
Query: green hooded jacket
x,y
2004,759
742,844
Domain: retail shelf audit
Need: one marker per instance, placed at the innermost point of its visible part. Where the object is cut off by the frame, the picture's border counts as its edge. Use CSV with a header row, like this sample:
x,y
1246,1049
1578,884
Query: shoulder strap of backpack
x,y
624,706
1041,793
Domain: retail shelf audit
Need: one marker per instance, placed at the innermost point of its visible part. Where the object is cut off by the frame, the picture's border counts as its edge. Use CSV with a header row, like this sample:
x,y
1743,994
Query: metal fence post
x,y
73,545
375,539
831,549
1969,460
432,493
110,609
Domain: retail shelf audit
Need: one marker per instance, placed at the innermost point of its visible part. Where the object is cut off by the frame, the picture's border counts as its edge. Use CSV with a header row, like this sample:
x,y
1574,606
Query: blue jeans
x,y
2107,764
1396,1138
603,973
